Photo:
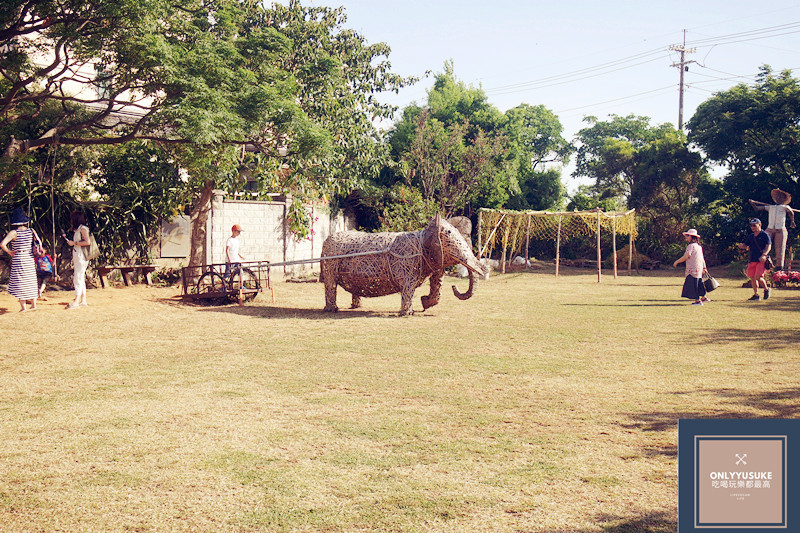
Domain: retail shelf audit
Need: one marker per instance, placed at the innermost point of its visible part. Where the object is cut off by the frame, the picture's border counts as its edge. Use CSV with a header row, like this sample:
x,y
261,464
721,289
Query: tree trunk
x,y
199,218
12,182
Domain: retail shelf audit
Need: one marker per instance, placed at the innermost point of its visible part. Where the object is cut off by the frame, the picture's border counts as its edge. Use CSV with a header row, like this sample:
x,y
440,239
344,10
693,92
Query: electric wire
x,y
634,60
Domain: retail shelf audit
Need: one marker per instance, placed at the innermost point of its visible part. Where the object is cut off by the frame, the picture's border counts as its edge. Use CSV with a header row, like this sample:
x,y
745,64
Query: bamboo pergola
x,y
507,229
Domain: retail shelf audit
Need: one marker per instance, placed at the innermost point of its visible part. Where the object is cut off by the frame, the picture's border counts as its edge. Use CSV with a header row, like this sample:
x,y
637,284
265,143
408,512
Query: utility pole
x,y
683,66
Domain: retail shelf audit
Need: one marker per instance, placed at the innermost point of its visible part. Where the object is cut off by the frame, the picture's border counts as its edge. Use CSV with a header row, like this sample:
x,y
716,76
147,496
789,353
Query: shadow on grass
x,y
274,312
659,522
783,403
633,303
767,338
781,303
277,313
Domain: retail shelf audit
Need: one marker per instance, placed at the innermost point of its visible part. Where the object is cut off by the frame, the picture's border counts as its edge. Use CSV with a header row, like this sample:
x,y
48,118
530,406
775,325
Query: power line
x,y
541,84
769,31
578,72
633,60
661,89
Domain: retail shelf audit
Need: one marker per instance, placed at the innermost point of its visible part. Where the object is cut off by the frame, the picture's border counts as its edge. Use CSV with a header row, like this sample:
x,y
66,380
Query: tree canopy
x,y
754,131
538,152
287,80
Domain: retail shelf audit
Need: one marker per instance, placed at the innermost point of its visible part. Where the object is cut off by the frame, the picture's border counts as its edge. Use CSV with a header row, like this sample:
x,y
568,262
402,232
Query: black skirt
x,y
693,288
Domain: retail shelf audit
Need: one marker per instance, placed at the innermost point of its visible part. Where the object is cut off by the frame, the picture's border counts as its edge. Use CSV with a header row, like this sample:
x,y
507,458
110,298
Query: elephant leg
x,y
407,295
330,291
432,298
356,303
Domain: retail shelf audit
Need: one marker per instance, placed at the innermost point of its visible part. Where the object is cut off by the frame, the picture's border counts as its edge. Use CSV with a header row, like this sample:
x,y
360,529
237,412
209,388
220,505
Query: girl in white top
x,y
80,239
693,287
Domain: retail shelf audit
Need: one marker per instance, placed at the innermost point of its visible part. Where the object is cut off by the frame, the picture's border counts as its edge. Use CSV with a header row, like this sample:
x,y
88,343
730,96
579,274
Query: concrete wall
x,y
266,236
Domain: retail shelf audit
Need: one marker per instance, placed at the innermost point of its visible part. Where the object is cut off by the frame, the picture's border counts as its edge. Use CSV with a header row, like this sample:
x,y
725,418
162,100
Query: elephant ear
x,y
464,227
432,243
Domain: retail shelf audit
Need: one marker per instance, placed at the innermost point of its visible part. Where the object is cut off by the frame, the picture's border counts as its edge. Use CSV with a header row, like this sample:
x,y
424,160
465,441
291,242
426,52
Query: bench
x,y
126,271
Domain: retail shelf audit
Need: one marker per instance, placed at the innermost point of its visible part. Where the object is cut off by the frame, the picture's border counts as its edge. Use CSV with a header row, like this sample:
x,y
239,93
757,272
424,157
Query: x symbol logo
x,y
741,459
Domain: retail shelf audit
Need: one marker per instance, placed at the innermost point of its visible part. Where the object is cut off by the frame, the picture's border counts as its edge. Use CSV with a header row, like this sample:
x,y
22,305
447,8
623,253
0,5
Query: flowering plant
x,y
786,278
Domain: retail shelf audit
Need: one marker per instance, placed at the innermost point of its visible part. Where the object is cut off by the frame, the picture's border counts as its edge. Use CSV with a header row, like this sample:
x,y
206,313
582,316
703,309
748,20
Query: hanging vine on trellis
x,y
507,230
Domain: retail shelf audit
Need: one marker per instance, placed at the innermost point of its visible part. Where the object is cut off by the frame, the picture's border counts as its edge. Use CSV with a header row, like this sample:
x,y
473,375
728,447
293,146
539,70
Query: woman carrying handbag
x,y
693,287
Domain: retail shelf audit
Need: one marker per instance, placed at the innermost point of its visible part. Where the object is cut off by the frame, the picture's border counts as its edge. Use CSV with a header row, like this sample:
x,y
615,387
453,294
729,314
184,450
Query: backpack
x,y
44,264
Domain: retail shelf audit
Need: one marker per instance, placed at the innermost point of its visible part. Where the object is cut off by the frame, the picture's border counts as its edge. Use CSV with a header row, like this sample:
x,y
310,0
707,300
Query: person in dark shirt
x,y
759,244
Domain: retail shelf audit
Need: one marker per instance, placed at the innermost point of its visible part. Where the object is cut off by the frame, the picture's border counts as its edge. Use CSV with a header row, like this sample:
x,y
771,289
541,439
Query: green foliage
x,y
404,209
536,144
586,198
454,149
647,168
139,185
754,132
299,220
540,190
338,75
287,79
452,171
606,149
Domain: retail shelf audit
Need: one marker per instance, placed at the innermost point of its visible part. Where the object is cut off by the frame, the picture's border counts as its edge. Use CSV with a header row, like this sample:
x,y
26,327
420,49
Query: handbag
x,y
709,282
36,246
768,264
93,250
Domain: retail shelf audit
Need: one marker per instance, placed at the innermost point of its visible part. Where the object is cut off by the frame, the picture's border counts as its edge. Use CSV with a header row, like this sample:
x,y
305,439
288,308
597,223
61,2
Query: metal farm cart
x,y
221,283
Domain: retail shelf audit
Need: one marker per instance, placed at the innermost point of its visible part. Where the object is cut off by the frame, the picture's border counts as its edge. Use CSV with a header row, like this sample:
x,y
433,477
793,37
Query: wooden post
x,y
480,226
504,244
630,250
599,258
558,244
528,241
614,242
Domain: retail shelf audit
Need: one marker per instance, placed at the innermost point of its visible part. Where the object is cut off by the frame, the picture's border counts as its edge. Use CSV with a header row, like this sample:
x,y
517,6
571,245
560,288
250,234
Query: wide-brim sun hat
x,y
781,197
18,217
692,233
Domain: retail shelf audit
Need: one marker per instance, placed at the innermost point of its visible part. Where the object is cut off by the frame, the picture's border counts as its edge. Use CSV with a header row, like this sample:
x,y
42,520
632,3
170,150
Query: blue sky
x,y
582,57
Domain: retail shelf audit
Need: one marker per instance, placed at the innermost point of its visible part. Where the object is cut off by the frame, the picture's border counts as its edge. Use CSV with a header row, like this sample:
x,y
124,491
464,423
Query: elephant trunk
x,y
470,290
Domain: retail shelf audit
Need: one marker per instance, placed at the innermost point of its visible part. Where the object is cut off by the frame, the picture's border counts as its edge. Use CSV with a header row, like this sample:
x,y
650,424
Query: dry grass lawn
x,y
540,405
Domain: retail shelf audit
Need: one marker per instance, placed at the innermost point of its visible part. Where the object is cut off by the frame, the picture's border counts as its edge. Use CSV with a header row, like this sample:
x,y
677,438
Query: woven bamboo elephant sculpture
x,y
377,264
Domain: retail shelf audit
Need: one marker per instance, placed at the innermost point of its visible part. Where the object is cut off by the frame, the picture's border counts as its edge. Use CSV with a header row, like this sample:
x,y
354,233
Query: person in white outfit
x,y
233,258
80,239
776,228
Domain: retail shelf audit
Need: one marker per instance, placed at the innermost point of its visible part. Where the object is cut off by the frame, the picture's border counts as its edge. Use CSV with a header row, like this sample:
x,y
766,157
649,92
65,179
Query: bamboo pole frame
x,y
558,245
597,214
614,244
599,256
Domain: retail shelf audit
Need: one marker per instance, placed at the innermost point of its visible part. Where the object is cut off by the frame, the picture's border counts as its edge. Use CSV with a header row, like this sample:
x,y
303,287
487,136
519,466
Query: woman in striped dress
x,y
23,284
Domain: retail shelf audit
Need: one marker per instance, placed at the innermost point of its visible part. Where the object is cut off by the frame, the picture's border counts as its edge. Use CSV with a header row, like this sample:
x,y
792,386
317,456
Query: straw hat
x,y
781,197
691,233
